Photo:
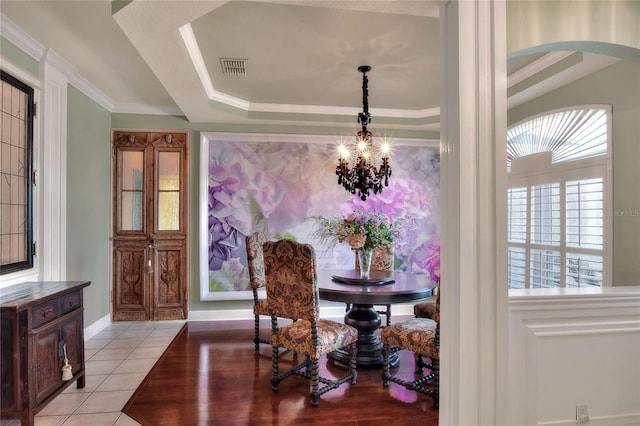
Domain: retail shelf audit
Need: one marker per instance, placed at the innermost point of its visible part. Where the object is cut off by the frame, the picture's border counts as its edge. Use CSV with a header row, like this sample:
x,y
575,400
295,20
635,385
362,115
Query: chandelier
x,y
363,175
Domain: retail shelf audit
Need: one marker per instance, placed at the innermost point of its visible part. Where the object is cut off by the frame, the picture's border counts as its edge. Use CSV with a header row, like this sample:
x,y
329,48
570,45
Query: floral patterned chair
x,y
381,260
255,264
292,292
428,309
422,337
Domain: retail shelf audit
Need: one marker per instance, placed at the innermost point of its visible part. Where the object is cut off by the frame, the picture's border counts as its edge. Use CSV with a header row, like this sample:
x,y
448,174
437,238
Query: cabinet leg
x,y
80,382
27,418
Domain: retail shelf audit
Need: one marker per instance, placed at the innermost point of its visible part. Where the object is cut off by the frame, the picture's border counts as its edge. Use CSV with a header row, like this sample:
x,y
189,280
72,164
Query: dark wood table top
x,y
406,287
21,296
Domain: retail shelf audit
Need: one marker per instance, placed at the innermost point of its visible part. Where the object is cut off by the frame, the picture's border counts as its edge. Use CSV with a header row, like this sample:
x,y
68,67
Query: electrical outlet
x,y
582,414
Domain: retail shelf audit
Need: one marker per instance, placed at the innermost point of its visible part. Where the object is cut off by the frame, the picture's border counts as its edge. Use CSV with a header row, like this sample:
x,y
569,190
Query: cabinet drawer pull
x,y
71,301
44,313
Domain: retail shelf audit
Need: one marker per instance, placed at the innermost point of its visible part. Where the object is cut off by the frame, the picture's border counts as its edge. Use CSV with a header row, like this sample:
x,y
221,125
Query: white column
x,y
52,182
473,199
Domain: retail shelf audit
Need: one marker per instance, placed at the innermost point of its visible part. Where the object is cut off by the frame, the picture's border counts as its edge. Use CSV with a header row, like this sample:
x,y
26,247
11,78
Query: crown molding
x,y
33,48
536,66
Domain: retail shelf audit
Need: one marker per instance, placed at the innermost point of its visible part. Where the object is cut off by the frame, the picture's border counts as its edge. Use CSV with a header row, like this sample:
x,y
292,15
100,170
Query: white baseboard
x,y
617,420
97,327
332,312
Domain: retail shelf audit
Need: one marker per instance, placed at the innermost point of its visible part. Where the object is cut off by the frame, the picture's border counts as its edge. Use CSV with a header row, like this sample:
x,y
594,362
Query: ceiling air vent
x,y
233,66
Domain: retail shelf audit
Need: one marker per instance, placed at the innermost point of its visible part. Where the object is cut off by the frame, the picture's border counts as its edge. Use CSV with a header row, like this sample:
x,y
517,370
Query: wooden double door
x,y
150,225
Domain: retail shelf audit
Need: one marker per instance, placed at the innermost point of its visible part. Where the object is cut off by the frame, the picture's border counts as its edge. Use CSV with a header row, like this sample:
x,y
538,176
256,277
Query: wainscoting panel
x,y
574,346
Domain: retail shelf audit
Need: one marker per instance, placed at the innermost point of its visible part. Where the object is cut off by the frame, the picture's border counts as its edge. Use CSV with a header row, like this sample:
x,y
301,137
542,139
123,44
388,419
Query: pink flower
x,y
352,217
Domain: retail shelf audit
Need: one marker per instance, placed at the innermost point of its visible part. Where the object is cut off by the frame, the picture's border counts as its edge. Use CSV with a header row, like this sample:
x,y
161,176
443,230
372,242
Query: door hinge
x,y
35,109
35,246
34,177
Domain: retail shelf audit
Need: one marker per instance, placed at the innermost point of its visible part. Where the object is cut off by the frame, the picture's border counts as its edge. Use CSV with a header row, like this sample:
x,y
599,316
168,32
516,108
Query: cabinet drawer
x,y
71,301
45,312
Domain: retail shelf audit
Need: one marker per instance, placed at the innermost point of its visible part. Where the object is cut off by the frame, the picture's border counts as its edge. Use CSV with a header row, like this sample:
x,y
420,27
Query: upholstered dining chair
x,y
381,260
255,265
428,309
292,292
422,337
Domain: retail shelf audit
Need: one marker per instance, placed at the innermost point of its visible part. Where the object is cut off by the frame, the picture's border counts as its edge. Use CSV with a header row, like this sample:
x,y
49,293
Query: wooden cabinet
x,y
39,321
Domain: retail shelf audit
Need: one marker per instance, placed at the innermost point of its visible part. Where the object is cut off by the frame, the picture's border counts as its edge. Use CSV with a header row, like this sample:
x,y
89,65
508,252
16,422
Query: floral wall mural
x,y
280,187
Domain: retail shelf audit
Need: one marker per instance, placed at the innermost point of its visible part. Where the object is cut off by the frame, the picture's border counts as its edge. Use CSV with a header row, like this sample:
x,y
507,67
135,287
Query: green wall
x,y
617,85
89,177
89,174
89,201
135,121
19,58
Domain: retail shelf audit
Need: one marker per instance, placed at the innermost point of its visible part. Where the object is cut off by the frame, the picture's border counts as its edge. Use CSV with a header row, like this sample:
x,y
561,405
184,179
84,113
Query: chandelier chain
x,y
364,117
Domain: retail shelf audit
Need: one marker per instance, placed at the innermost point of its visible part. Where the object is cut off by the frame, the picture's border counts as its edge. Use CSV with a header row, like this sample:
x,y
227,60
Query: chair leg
x,y
436,382
353,351
386,374
275,356
274,368
388,313
420,363
256,330
315,382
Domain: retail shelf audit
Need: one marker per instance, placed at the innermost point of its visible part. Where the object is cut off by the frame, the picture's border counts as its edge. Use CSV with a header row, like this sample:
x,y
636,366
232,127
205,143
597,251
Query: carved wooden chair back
x,y
292,292
255,264
292,284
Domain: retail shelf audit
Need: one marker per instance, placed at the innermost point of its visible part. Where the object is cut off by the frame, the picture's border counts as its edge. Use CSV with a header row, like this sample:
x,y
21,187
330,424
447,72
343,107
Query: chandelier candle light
x,y
363,176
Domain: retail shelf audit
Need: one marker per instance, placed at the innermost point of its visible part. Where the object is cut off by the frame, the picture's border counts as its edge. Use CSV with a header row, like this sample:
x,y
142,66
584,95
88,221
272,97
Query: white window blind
x,y
537,259
585,207
556,226
545,214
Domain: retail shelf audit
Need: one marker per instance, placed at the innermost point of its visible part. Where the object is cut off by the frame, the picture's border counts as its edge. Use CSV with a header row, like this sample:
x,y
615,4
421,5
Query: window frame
x,y
538,173
29,262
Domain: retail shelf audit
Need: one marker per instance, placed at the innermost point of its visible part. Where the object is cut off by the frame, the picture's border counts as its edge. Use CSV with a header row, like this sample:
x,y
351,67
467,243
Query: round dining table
x,y
381,288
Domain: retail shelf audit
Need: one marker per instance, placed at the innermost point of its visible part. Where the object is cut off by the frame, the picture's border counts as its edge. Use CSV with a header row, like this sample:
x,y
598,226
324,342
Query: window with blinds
x,y
556,225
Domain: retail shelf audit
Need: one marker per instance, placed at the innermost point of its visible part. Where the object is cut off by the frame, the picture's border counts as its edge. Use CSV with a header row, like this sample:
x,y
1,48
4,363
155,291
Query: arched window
x,y
558,192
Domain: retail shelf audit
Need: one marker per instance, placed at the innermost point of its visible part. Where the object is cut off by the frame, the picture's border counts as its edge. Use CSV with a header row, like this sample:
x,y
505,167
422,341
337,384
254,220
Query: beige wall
x,y
599,26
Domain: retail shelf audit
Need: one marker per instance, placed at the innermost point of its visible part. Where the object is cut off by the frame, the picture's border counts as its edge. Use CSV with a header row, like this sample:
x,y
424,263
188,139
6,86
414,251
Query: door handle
x,y
149,265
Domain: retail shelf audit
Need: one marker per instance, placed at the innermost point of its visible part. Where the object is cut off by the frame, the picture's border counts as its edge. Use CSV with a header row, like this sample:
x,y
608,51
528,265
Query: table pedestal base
x,y
366,320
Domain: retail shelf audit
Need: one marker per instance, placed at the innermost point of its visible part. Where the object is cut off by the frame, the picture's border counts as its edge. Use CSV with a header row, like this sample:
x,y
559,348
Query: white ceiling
x,y
301,58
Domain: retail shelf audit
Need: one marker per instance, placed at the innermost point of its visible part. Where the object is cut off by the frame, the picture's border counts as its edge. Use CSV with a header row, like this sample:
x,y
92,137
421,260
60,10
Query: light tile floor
x,y
117,360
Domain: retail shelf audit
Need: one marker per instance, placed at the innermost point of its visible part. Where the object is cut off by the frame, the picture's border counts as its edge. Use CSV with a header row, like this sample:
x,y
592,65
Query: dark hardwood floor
x,y
210,375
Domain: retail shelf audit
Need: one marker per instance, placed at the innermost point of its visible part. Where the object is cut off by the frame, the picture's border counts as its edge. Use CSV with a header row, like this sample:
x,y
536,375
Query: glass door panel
x,y
168,197
132,206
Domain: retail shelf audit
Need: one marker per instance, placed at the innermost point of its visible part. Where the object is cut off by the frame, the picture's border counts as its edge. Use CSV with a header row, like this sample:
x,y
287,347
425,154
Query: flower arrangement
x,y
361,230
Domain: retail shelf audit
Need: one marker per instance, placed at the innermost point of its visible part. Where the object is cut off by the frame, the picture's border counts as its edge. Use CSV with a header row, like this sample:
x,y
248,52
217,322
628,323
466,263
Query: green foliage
x,y
359,229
